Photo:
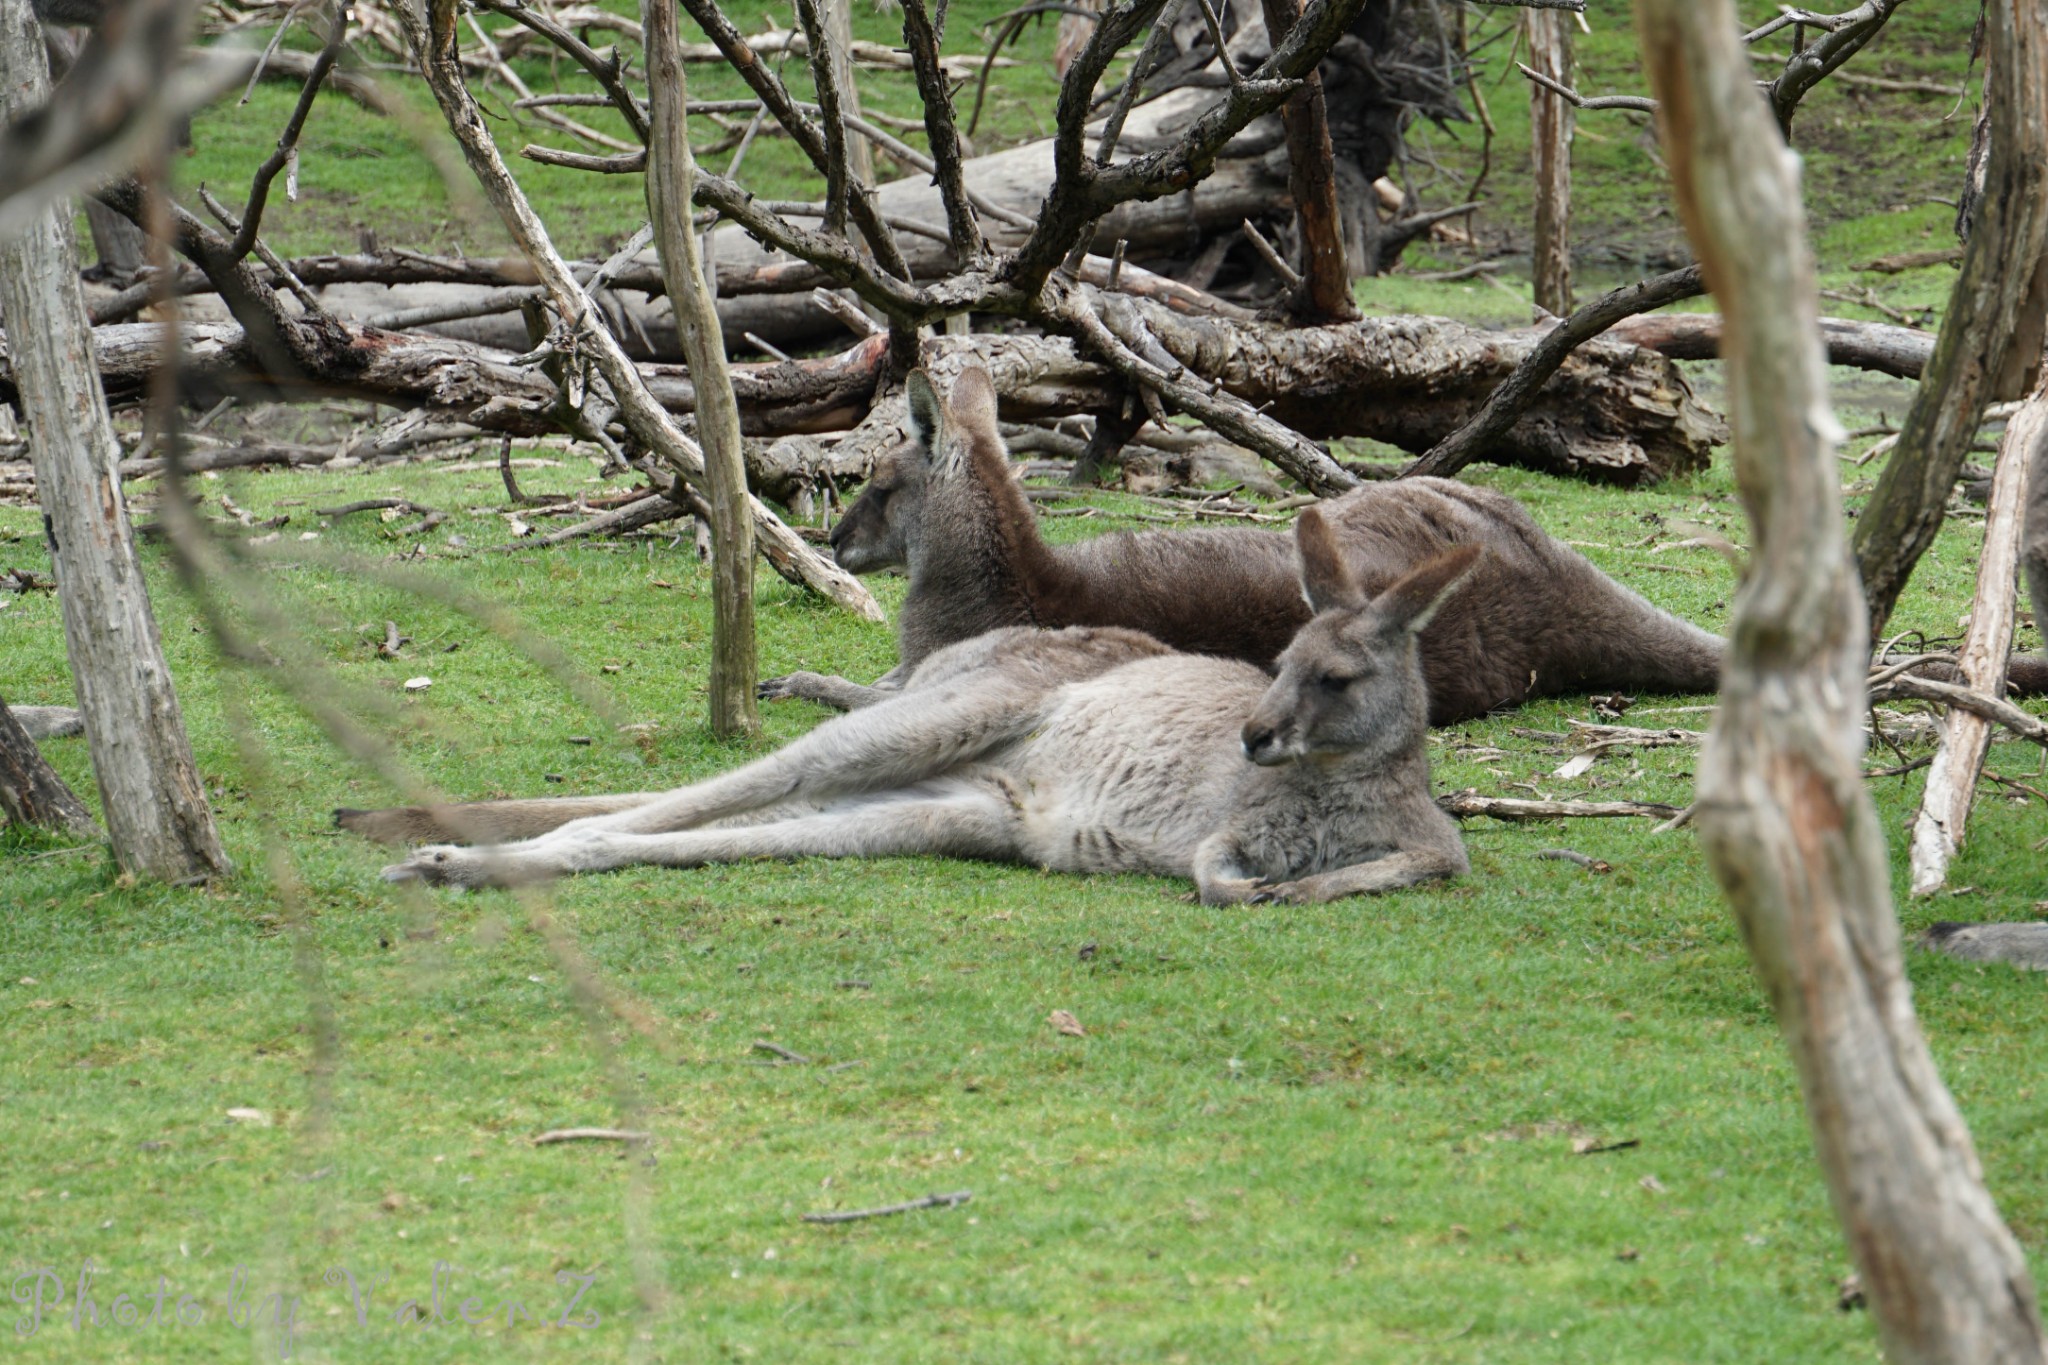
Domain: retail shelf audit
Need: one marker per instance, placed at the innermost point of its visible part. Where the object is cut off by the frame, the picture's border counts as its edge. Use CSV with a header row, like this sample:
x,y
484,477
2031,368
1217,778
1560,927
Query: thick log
x,y
150,789
1613,412
1939,824
1785,822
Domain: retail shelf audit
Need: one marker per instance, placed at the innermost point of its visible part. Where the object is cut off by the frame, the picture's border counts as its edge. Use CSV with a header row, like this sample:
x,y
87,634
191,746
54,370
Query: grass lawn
x,y
1335,1133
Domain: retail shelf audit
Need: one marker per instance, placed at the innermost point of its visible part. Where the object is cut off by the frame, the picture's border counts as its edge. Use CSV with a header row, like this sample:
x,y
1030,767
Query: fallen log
x,y
1613,412
1469,803
1879,346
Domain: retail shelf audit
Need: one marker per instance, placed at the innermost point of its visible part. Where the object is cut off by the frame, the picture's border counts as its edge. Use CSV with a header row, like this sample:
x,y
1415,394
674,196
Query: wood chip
x,y
1066,1023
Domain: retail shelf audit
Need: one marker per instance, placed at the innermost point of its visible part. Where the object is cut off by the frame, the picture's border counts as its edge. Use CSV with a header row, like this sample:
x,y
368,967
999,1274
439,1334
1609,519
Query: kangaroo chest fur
x,y
1096,789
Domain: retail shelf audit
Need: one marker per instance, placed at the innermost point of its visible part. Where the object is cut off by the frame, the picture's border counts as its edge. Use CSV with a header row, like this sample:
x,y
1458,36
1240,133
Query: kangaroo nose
x,y
838,533
1258,737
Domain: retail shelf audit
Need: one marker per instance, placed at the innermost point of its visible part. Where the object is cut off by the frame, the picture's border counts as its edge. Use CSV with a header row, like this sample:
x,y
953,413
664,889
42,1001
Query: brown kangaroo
x,y
1080,750
1537,619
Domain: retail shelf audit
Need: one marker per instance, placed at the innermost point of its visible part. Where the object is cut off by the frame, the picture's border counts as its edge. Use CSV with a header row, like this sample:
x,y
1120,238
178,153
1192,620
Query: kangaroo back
x,y
1537,617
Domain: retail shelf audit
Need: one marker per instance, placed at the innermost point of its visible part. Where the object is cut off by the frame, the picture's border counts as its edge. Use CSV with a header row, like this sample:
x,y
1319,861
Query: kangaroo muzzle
x,y
1263,743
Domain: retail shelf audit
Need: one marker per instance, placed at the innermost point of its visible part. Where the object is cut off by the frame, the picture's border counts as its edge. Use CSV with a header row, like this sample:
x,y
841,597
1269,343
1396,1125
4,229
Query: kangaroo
x,y
950,511
1539,619
1080,750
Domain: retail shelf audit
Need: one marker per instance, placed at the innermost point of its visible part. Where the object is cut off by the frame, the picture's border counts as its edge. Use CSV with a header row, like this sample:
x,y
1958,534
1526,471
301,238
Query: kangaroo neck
x,y
980,553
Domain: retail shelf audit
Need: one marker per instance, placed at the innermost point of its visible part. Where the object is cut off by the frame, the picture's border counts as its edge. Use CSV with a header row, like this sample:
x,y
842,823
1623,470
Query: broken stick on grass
x,y
930,1201
1512,808
555,1135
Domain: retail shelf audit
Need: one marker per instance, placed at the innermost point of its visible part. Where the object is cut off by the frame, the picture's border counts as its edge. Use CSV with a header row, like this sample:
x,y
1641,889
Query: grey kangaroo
x,y
1537,619
1081,750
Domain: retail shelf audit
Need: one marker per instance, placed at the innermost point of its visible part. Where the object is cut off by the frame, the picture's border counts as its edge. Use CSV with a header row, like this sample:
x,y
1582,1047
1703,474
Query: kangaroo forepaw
x,y
779,689
466,868
1276,893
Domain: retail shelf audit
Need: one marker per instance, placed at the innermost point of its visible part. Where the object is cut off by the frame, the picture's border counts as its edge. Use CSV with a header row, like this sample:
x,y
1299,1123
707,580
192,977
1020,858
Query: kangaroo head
x,y
882,526
1350,683
876,530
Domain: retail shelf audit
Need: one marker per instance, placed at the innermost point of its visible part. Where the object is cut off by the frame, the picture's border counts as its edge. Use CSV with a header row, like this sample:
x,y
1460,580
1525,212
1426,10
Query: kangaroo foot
x,y
467,868
839,693
788,687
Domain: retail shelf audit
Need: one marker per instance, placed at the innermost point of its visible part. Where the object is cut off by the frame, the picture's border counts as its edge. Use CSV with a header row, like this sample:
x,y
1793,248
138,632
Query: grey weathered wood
x,y
1959,755
31,793
860,155
671,172
431,35
1991,330
155,803
1551,119
1878,346
49,722
1783,817
2034,536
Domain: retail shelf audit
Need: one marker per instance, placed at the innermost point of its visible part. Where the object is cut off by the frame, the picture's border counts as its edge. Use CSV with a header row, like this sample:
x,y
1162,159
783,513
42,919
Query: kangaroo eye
x,y
1334,682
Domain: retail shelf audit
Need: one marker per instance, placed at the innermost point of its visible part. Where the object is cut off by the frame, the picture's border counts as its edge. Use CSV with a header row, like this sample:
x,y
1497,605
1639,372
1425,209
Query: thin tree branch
x,y
288,140
827,85
921,37
1518,390
808,136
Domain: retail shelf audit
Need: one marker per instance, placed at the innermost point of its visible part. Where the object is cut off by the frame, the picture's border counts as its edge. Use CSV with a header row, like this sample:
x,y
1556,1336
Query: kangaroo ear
x,y
1326,580
924,410
1414,597
973,404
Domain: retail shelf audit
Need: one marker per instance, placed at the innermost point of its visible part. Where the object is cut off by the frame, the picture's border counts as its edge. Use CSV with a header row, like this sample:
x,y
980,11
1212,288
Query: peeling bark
x,y
1613,412
31,793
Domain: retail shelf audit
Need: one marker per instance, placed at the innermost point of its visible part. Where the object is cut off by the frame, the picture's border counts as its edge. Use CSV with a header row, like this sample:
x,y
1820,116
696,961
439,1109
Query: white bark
x,y
155,803
1959,756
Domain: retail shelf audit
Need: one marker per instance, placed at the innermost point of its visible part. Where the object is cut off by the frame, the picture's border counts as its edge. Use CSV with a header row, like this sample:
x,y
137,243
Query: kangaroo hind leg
x,y
899,741
957,817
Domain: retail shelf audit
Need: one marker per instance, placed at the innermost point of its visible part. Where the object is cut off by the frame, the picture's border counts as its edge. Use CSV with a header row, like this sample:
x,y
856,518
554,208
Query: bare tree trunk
x,y
1959,757
31,793
1991,331
1551,119
670,175
1786,824
2034,536
860,155
120,245
154,800
1325,293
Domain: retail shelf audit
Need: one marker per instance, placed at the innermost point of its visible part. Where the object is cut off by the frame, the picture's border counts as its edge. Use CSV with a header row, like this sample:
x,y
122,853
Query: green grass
x,y
1332,1133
